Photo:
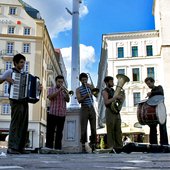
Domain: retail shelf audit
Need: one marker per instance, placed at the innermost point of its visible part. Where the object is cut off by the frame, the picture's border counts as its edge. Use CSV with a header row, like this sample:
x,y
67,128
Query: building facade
x,y
137,55
22,30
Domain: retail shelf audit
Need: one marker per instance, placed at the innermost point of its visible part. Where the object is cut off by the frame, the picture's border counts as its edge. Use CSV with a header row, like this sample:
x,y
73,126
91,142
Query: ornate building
x,y
138,55
22,30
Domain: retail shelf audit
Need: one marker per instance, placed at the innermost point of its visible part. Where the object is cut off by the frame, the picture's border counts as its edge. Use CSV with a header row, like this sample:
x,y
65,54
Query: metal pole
x,y
75,62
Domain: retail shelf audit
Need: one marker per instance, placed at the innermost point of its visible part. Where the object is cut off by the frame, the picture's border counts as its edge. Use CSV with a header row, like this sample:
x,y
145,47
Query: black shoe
x,y
118,150
112,151
93,148
12,151
24,151
84,149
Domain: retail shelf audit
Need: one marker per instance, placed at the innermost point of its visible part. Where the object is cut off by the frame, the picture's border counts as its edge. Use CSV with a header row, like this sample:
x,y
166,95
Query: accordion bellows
x,y
25,88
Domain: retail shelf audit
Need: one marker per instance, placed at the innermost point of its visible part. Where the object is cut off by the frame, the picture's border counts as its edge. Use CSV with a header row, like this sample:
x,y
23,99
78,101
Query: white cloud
x,y
87,58
59,20
55,15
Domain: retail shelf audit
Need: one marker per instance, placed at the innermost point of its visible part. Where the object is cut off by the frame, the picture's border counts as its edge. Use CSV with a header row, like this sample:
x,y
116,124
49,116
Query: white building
x,y
138,55
22,30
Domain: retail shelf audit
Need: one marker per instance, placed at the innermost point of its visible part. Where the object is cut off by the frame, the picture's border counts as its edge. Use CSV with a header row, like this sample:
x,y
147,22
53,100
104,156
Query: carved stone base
x,y
71,134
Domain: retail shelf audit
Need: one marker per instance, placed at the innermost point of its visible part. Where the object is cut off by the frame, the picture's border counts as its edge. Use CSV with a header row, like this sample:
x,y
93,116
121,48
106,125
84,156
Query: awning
x,y
125,130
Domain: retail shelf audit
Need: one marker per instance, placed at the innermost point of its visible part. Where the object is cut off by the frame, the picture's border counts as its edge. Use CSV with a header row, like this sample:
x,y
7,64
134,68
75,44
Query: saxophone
x,y
116,105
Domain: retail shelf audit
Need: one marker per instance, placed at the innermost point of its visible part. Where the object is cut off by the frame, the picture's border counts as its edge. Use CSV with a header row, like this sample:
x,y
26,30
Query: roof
x,y
34,13
57,50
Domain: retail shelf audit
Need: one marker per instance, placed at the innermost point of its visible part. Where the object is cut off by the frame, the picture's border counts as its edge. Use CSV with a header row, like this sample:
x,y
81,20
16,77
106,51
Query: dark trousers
x,y
88,113
54,134
18,126
163,134
114,132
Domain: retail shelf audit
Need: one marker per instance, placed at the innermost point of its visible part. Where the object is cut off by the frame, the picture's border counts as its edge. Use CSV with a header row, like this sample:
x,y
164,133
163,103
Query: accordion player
x,y
25,88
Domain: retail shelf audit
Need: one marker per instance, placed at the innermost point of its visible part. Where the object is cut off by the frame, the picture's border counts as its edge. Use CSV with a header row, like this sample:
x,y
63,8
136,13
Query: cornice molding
x,y
131,35
13,36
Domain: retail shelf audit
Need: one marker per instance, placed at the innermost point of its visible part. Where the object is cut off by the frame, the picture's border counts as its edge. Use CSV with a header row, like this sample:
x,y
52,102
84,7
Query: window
x,y
151,72
121,71
135,72
26,31
10,48
124,103
11,29
12,10
6,86
134,51
8,65
136,98
26,67
6,109
0,10
26,48
149,51
120,52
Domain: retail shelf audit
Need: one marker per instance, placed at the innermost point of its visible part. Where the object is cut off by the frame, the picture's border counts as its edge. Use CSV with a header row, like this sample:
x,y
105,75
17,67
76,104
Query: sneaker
x,y
12,151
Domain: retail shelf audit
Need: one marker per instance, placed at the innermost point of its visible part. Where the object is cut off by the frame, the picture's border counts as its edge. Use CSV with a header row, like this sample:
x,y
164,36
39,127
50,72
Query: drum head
x,y
161,113
142,101
155,100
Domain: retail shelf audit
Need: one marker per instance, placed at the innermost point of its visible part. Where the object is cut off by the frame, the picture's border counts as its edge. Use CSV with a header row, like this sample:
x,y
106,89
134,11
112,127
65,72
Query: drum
x,y
147,114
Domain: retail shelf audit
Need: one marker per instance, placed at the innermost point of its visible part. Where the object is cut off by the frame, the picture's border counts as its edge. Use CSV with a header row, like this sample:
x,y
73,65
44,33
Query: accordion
x,y
25,88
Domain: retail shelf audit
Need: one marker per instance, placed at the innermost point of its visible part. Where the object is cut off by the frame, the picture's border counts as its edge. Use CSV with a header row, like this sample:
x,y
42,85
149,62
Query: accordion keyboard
x,y
15,87
25,87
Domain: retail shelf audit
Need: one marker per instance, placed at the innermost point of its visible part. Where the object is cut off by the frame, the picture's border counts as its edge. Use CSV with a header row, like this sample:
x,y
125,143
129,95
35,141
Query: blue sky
x,y
97,17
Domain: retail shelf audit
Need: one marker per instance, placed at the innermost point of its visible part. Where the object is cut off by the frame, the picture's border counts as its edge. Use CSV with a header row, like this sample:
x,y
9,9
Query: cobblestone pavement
x,y
91,161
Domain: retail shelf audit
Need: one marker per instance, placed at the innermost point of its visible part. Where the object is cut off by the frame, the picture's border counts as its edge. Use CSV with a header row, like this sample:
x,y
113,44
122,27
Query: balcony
x,y
8,54
50,69
49,84
1,71
3,95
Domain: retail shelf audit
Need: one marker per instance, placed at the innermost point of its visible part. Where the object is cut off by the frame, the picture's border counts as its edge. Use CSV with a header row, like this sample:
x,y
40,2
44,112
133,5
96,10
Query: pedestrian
x,y
58,97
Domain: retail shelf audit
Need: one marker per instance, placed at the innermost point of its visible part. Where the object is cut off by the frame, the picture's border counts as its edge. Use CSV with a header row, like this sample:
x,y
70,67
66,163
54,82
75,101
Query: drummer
x,y
156,90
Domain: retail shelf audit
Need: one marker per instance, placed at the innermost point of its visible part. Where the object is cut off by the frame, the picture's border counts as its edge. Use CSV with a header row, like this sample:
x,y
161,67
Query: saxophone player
x,y
113,119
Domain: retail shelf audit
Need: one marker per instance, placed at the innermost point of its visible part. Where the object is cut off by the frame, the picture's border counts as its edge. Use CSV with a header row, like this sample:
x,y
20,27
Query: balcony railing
x,y
49,67
7,54
49,84
1,71
5,110
3,95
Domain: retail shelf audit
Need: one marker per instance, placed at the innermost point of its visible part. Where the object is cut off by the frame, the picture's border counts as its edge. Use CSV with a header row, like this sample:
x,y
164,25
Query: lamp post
x,y
75,59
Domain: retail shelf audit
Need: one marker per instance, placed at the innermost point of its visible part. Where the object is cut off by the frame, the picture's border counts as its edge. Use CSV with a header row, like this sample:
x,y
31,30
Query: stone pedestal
x,y
71,134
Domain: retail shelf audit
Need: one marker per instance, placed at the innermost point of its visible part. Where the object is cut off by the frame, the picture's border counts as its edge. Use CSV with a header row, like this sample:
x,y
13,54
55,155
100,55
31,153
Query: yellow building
x,y
22,30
